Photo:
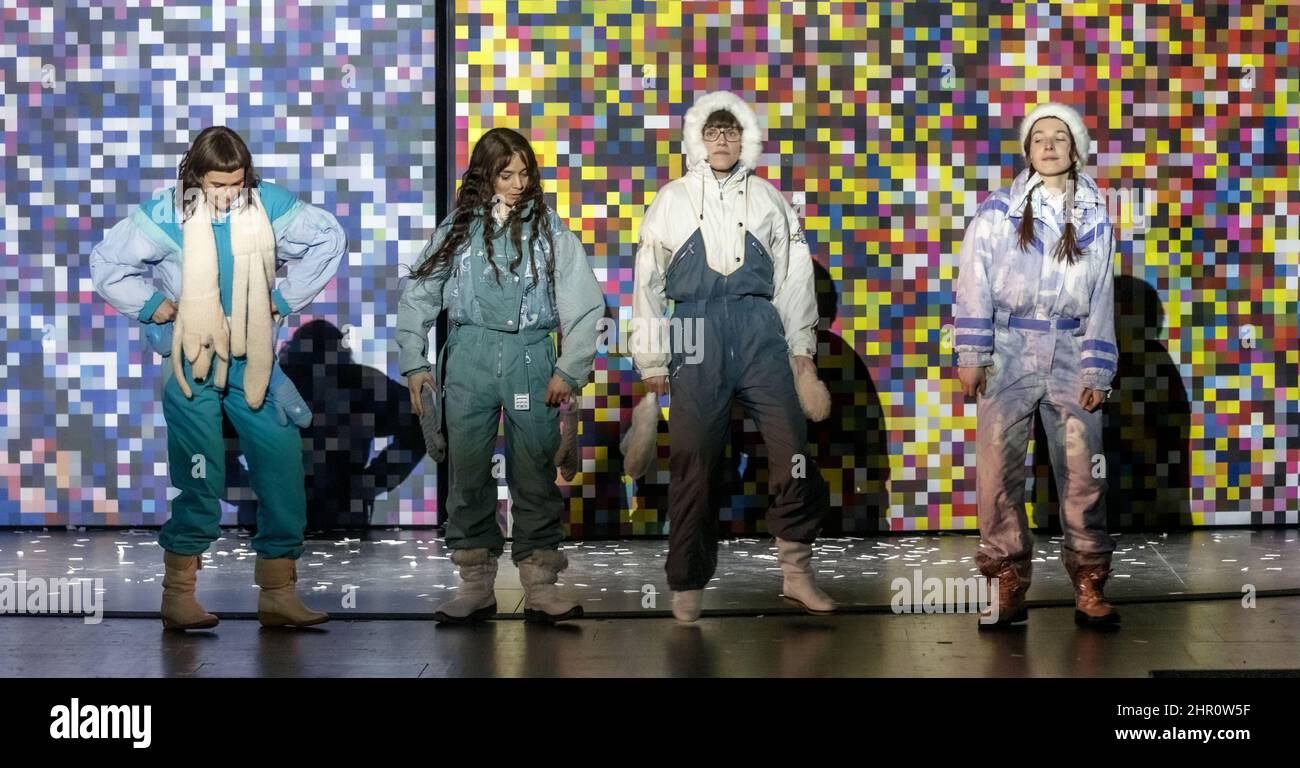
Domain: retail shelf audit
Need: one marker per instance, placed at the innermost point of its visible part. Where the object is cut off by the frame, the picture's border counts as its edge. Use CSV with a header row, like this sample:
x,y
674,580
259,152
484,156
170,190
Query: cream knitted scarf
x,y
202,326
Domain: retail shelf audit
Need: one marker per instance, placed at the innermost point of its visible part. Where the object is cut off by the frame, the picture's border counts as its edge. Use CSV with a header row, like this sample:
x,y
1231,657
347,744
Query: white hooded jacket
x,y
731,207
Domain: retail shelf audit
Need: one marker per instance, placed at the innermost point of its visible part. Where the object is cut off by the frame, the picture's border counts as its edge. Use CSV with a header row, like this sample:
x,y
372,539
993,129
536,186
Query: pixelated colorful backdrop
x,y
887,125
337,104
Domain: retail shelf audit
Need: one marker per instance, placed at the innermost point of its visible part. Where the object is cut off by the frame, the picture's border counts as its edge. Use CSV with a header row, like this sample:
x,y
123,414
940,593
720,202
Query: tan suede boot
x,y
180,609
278,604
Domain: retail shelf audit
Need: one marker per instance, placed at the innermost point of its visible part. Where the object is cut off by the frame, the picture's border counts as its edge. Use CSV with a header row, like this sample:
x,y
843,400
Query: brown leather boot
x,y
1089,573
1013,580
180,609
278,604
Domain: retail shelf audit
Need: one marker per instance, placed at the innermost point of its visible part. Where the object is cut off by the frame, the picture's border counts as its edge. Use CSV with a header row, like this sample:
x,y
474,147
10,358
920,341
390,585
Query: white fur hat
x,y
1072,120
751,140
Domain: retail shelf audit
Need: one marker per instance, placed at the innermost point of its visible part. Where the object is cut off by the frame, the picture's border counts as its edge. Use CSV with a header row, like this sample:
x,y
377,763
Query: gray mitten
x,y
431,423
566,456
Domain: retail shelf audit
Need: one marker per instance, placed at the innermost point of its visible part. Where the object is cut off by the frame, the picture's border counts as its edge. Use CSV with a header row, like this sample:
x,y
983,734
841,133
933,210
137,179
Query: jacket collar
x,y
703,170
525,211
1086,193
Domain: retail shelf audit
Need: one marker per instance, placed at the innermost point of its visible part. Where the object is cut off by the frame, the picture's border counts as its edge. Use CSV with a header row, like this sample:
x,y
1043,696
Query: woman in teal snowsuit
x,y
502,307
196,265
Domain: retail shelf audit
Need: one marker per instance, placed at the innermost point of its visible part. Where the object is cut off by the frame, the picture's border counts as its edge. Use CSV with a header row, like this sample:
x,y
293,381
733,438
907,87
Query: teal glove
x,y
159,336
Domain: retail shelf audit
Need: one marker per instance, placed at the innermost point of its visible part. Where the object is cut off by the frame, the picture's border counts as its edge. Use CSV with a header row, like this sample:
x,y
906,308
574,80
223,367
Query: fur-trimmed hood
x,y
751,141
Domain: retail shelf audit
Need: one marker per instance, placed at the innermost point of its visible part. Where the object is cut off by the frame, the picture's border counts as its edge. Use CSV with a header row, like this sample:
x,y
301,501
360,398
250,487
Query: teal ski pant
x,y
196,458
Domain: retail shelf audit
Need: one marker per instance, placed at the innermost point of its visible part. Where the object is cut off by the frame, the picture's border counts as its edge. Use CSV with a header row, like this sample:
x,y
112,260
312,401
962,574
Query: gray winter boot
x,y
542,602
475,600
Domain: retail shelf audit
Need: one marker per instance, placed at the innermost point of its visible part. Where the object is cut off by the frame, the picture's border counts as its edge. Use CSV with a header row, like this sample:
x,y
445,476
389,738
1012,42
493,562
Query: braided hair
x,y
1067,249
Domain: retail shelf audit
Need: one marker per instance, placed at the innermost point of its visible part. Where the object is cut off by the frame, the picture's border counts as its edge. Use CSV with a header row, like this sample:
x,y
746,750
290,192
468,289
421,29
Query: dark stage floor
x,y
1157,639
1181,597
406,573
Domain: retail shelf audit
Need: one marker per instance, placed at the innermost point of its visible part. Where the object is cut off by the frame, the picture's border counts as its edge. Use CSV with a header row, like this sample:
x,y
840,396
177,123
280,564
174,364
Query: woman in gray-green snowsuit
x,y
509,273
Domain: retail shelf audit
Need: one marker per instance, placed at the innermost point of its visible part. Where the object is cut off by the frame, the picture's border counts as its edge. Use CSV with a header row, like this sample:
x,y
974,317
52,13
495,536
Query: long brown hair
x,y
216,148
1067,249
491,155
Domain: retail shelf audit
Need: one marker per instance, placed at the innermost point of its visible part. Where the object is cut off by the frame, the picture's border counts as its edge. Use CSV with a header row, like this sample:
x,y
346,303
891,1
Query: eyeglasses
x,y
712,134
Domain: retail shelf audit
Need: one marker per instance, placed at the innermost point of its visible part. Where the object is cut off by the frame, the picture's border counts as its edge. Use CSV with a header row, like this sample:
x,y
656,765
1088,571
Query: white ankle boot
x,y
796,563
687,604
